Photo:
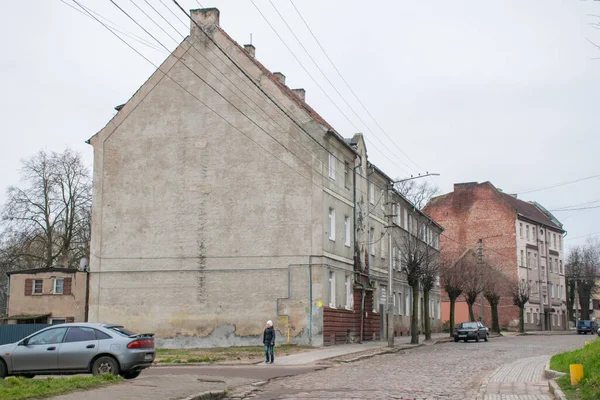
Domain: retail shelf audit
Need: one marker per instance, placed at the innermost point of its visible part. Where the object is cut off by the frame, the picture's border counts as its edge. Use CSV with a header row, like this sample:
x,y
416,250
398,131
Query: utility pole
x,y
390,304
480,262
576,301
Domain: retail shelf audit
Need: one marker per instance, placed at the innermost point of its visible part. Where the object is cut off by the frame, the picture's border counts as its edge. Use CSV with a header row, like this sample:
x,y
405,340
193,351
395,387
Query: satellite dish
x,y
83,264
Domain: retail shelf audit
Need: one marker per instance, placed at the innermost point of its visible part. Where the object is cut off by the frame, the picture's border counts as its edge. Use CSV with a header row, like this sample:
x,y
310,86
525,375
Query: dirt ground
x,y
224,355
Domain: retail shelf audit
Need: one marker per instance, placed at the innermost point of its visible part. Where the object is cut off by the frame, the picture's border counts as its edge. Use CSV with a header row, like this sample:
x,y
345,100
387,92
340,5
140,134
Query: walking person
x,y
269,341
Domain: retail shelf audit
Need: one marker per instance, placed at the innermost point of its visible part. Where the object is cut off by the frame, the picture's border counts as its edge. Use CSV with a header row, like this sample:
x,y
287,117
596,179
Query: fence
x,y
14,333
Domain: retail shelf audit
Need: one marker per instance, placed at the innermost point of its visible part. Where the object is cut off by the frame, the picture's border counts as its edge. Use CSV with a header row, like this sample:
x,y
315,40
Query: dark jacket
x,y
269,336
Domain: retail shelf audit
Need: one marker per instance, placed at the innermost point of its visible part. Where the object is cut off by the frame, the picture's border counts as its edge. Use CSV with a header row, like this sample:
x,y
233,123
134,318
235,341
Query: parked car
x,y
471,331
586,326
76,348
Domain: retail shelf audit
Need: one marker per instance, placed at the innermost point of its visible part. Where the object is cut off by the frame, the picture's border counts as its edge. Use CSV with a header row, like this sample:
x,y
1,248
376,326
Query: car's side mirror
x,y
24,342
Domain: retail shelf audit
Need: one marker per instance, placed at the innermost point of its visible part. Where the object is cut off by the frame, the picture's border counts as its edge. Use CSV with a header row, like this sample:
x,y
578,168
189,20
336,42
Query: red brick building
x,y
520,238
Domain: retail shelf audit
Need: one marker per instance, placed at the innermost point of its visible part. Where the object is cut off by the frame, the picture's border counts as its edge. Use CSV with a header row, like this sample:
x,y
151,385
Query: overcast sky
x,y
505,91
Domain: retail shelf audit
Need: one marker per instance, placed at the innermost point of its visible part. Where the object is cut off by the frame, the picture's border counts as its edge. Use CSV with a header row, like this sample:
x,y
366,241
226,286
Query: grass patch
x,y
589,357
16,388
235,354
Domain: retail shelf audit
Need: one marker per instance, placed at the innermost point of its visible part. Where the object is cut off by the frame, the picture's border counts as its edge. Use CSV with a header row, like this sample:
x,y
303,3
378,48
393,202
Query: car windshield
x,y
468,325
585,322
121,330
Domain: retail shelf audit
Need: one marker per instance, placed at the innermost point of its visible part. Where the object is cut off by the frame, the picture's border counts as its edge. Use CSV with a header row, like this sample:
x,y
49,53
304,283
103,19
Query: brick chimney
x,y
207,18
280,77
250,49
464,186
301,93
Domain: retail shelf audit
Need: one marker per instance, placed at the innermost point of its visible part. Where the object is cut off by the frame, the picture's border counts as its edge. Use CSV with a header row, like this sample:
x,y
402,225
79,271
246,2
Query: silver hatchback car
x,y
76,348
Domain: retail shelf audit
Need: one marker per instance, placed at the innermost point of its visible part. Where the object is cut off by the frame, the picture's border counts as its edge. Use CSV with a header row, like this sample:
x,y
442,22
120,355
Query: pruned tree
x,y
452,280
495,286
582,268
417,192
429,277
520,293
46,219
473,280
413,254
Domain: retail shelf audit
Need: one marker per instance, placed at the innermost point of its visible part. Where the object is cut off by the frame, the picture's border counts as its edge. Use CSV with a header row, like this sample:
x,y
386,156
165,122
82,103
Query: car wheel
x,y
456,339
466,340
105,365
131,374
3,370
487,336
477,338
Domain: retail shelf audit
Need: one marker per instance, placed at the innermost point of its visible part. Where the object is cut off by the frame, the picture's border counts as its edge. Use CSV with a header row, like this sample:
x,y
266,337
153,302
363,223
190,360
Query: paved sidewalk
x,y
520,380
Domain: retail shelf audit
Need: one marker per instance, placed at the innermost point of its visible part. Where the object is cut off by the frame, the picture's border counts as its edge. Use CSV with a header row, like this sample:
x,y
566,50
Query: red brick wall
x,y
473,211
342,326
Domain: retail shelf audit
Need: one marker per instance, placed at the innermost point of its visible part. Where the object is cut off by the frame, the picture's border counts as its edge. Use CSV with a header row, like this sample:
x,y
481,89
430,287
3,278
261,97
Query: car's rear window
x,y
469,325
121,330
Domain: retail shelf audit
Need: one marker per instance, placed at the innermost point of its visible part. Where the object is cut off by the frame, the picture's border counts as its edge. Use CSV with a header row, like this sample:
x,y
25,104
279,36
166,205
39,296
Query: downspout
x,y
356,252
354,213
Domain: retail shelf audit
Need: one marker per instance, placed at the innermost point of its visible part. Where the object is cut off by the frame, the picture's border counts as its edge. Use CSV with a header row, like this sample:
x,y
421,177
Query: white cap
x,y
270,323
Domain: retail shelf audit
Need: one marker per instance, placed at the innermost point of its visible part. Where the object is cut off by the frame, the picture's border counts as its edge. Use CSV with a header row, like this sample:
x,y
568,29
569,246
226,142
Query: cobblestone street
x,y
507,368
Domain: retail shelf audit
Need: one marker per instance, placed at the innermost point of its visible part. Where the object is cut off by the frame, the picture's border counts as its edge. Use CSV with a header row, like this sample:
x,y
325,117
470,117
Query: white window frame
x,y
332,224
521,230
407,303
527,231
347,231
399,210
400,305
394,261
405,214
371,193
33,292
331,166
332,289
523,258
399,259
349,297
55,286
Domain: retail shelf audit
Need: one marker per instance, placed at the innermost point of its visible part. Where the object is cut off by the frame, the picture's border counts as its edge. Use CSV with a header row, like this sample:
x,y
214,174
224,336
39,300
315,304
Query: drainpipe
x,y
354,214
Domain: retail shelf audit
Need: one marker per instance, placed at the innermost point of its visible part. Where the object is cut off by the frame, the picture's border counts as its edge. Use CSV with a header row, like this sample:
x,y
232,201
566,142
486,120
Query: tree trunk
x,y
414,323
471,314
522,318
426,314
452,306
584,302
495,319
570,299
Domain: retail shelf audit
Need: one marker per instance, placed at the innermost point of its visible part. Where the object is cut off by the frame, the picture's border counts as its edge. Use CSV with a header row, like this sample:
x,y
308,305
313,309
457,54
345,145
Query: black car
x,y
586,326
471,331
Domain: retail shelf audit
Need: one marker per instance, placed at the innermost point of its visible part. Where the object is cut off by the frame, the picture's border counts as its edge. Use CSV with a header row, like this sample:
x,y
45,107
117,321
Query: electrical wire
x,y
350,88
557,185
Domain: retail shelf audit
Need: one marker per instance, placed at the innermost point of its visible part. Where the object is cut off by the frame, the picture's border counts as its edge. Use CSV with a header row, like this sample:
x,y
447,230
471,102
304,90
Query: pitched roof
x,y
529,211
41,270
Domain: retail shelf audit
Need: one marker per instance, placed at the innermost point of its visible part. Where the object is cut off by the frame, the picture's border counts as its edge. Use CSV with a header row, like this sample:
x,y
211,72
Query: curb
x,y
551,375
216,394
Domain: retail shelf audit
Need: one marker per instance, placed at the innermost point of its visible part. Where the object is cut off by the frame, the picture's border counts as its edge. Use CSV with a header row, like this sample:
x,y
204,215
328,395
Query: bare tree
x,y
583,267
452,280
430,275
417,192
473,280
46,220
495,286
521,292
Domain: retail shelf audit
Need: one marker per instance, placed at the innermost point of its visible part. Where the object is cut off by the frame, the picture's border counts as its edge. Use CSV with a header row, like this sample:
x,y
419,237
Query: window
x,y
347,175
400,307
51,336
560,248
558,320
38,285
407,304
102,335
561,267
405,219
549,264
534,233
394,212
57,321
397,218
382,200
399,259
527,231
522,258
528,317
410,223
331,166
521,230
347,231
80,334
372,241
382,244
371,193
349,298
554,236
394,263
59,285
529,261
332,224
332,289
551,290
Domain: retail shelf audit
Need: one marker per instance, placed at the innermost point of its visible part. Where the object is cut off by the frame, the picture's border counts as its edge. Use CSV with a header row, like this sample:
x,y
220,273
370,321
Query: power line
x,y
331,83
576,209
582,236
577,205
557,185
319,86
349,87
